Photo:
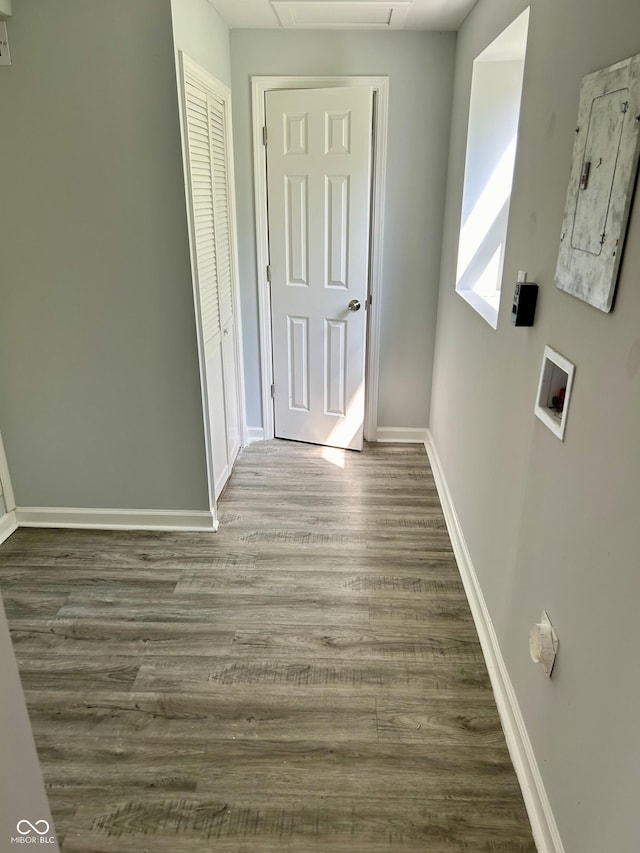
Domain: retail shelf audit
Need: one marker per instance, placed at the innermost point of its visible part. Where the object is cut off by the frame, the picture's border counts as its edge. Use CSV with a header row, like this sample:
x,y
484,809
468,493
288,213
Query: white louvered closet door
x,y
222,227
213,258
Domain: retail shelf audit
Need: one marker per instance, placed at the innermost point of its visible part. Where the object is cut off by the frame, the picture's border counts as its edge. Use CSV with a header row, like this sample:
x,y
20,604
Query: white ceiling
x,y
344,14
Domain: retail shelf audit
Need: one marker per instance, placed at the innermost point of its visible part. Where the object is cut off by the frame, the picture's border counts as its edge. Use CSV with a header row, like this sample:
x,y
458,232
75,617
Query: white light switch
x,y
5,56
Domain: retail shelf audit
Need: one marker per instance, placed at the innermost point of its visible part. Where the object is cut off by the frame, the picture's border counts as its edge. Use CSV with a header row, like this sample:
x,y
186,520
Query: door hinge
x,y
269,273
370,300
264,135
273,391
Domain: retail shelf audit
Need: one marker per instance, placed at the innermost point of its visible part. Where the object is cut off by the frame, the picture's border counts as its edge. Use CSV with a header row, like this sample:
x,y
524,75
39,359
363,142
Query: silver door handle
x,y
354,305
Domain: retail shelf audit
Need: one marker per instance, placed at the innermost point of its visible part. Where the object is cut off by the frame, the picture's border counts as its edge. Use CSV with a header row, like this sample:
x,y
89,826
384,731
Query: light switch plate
x,y
5,56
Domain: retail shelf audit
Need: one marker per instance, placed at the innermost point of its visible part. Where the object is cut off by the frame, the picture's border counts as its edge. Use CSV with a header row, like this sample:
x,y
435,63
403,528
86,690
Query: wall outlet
x,y
5,56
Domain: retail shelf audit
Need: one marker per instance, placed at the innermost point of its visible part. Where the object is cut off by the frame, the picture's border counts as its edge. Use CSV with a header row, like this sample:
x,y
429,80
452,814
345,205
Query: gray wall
x,y
201,33
99,388
552,525
420,68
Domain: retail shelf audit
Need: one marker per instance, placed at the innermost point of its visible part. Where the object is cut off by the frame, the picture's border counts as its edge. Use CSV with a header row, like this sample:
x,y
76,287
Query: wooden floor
x,y
307,679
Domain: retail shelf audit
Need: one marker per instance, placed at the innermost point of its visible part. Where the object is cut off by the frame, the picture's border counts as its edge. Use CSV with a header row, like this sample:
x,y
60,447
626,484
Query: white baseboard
x,y
115,519
401,435
8,524
255,434
543,824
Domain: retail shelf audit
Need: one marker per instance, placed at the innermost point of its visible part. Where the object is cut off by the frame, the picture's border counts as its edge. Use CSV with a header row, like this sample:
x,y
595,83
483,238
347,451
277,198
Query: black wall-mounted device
x,y
524,303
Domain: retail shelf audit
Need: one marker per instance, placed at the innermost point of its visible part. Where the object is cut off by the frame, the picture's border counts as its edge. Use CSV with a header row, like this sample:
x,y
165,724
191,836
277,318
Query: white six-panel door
x,y
318,168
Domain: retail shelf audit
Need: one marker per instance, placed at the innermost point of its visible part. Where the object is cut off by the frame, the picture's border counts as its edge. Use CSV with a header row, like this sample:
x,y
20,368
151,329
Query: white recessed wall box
x,y
554,391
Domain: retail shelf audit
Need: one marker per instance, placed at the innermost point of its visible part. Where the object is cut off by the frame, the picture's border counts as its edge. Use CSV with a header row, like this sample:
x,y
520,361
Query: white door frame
x,y
186,63
5,479
380,86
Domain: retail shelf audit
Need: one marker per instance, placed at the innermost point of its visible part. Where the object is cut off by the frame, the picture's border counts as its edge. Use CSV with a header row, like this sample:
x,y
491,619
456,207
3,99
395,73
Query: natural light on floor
x,y
334,455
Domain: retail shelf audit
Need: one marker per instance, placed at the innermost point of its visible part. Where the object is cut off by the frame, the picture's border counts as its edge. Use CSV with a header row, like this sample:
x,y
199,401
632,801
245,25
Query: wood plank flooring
x,y
307,679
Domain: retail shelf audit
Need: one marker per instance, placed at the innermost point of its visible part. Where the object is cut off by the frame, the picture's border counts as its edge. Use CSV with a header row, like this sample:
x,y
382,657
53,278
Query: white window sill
x,y
486,306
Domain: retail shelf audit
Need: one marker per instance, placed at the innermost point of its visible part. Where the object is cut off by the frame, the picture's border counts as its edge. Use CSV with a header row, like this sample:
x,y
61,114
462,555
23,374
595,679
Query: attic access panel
x,y
342,14
603,174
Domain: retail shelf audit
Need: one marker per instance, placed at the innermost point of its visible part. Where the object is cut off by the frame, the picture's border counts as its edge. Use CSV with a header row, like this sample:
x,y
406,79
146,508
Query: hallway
x,y
307,679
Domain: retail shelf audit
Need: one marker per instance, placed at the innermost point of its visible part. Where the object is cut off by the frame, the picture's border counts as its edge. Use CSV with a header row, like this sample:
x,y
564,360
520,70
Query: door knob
x,y
354,305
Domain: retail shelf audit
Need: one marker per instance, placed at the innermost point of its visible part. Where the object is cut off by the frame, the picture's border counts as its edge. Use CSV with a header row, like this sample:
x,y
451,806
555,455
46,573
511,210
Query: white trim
x,y
5,481
235,272
401,435
543,824
255,434
487,308
259,87
115,519
379,167
8,525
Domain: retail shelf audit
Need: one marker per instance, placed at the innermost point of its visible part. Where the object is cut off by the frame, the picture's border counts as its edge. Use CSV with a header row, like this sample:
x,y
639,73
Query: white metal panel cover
x,y
603,174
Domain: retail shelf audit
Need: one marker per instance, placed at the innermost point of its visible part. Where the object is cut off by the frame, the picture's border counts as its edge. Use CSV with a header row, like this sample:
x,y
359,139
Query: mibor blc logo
x,y
33,833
